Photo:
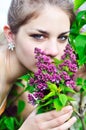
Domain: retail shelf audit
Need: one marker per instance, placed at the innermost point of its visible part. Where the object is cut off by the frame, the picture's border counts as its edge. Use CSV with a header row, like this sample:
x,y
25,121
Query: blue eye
x,y
37,36
62,38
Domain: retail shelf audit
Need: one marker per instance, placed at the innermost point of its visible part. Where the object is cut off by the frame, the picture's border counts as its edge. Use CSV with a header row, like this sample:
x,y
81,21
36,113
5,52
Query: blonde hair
x,y
21,11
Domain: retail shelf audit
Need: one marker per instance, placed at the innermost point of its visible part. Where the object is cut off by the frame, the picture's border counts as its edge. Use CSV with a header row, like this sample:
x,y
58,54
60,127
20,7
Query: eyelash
x,y
62,38
38,36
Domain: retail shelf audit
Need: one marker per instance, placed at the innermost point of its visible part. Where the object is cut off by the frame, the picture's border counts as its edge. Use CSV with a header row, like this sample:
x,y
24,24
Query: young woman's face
x,y
49,32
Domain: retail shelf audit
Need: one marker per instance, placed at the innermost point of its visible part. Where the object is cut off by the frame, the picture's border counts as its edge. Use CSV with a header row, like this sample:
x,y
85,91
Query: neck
x,y
14,68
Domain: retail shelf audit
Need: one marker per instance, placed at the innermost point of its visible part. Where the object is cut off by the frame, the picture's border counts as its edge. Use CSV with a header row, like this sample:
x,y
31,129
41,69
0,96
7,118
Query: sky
x,y
4,5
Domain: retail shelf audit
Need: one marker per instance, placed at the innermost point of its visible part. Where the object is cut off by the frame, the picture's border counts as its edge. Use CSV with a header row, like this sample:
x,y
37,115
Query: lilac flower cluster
x,y
62,73
68,68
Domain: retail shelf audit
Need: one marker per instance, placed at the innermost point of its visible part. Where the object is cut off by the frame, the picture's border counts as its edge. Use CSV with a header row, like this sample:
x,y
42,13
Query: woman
x,y
35,23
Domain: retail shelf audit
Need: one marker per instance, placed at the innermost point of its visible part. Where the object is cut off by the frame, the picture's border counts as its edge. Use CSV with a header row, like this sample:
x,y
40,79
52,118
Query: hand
x,y
52,120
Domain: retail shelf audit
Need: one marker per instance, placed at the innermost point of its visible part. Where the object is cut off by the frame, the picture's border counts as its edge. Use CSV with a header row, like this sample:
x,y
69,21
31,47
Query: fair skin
x,y
51,38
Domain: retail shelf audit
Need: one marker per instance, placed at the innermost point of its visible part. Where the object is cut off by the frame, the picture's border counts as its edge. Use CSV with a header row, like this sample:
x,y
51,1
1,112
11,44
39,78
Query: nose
x,y
52,49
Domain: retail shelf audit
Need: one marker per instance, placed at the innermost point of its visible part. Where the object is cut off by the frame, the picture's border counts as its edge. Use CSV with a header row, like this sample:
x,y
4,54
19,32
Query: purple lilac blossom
x,y
49,72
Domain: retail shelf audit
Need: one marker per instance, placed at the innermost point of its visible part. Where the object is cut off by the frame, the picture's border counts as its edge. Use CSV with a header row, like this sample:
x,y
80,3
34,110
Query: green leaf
x,y
84,33
9,122
84,88
66,68
78,3
41,104
80,47
57,61
57,104
63,99
52,87
81,19
18,122
25,77
70,98
79,81
30,88
68,89
77,39
84,82
21,106
51,94
18,83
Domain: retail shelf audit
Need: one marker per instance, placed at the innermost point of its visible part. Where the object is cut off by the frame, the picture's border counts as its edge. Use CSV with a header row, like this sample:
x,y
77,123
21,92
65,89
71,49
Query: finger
x,y
66,125
58,121
54,114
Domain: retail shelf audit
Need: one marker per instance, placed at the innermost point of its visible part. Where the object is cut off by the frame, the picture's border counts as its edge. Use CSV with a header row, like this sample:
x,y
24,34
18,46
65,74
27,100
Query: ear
x,y
8,34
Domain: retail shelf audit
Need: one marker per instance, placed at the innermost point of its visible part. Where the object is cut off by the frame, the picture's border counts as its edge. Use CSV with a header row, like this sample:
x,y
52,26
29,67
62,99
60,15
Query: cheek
x,y
61,50
25,54
29,57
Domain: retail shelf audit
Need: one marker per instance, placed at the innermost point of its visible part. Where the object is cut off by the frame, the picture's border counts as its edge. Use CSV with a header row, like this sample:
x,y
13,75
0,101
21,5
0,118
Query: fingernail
x,y
69,108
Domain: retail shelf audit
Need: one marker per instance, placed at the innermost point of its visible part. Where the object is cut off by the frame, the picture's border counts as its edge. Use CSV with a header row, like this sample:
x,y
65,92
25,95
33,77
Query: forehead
x,y
50,18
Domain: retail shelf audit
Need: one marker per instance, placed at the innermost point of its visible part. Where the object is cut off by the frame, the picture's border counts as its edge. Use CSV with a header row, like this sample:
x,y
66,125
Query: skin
x,y
52,120
41,33
52,38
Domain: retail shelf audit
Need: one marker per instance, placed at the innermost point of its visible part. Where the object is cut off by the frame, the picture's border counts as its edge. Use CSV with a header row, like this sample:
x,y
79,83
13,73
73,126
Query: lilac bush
x,y
53,80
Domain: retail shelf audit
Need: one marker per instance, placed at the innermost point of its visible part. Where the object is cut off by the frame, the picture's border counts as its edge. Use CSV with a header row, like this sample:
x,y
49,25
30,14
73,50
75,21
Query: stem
x,y
80,103
80,115
81,119
76,112
81,111
83,123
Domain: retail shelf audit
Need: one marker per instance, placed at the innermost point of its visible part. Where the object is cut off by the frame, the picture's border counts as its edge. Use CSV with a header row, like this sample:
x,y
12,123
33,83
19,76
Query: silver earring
x,y
11,46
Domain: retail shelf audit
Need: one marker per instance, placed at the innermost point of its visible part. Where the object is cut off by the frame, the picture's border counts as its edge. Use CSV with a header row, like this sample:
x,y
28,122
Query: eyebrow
x,y
42,31
64,33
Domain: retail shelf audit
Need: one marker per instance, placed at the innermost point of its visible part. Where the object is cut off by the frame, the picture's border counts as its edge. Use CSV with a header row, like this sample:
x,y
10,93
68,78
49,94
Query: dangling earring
x,y
11,46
